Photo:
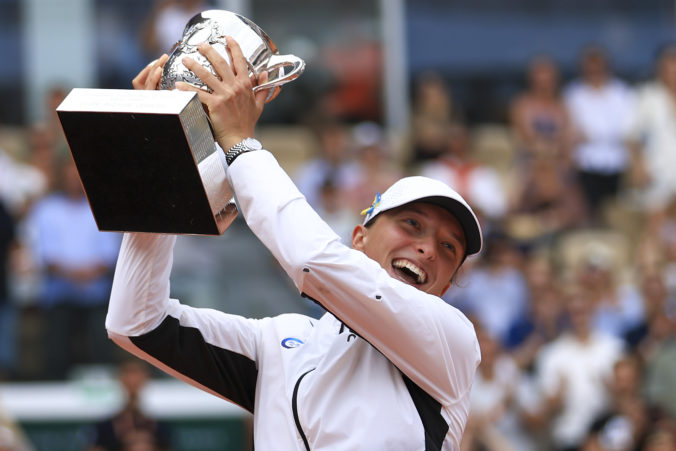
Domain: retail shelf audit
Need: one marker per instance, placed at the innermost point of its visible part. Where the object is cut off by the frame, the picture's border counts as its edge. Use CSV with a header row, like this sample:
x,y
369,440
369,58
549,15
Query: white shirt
x,y
394,373
481,186
19,183
655,129
583,370
603,116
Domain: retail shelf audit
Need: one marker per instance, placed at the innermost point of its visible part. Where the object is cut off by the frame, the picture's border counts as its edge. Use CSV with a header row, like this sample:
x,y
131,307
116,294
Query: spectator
x,y
432,113
574,372
52,125
494,292
20,184
7,311
478,183
539,117
543,322
495,422
600,107
547,202
617,307
657,249
660,358
131,429
43,153
654,135
334,209
164,25
662,437
656,304
373,170
332,165
77,262
625,424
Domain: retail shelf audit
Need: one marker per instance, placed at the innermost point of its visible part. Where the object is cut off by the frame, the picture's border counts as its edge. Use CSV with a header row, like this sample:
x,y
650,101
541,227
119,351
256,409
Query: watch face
x,y
252,143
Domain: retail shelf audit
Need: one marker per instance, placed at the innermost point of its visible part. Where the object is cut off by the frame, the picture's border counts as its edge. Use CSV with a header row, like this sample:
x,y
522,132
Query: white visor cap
x,y
425,189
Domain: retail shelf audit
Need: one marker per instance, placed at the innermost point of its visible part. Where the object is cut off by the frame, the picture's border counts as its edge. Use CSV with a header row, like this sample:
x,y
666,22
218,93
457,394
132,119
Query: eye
x,y
449,246
412,222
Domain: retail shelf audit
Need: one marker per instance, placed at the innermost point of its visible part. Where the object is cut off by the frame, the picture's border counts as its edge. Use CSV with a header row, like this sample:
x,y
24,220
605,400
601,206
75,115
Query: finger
x,y
237,57
202,73
201,93
154,78
162,60
261,78
140,80
262,95
219,63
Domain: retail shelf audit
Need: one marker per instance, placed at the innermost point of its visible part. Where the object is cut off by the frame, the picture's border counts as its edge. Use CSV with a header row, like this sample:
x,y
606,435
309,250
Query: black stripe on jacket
x,y
429,410
184,349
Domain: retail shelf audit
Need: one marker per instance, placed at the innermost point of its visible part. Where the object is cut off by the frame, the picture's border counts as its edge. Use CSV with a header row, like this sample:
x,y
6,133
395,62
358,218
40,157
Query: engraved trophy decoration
x,y
147,159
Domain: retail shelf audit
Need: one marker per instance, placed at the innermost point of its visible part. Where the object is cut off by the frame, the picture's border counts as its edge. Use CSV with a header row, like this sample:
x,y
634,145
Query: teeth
x,y
419,273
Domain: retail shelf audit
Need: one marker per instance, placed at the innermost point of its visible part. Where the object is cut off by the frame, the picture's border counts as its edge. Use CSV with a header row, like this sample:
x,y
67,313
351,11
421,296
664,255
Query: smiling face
x,y
421,244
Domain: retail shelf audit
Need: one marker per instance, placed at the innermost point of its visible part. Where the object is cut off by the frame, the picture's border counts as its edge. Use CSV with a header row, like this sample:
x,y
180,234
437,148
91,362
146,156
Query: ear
x,y
359,237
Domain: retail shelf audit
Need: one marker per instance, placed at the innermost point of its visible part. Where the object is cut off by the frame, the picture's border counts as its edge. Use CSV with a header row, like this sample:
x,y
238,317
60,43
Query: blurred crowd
x,y
573,297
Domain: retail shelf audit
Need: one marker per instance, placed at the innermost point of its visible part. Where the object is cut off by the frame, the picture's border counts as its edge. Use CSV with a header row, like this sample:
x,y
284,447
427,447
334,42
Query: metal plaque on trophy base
x,y
147,161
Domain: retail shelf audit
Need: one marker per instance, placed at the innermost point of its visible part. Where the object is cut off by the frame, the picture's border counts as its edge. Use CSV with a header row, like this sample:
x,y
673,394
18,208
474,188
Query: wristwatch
x,y
245,145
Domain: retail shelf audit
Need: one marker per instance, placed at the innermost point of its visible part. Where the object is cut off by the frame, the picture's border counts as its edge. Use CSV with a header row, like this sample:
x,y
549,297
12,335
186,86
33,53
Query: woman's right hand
x,y
150,76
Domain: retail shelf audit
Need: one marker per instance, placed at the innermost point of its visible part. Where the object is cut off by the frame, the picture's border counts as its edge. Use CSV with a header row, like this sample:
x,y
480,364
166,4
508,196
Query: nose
x,y
426,247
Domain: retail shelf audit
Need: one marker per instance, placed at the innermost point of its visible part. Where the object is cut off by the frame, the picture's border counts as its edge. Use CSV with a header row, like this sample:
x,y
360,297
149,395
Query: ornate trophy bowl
x,y
260,52
147,159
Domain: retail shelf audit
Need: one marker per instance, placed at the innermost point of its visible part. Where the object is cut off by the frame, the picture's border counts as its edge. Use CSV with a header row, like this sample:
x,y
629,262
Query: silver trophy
x,y
147,159
260,52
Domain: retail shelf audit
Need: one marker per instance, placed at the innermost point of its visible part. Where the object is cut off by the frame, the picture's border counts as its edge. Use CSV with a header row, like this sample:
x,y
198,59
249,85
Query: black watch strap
x,y
246,145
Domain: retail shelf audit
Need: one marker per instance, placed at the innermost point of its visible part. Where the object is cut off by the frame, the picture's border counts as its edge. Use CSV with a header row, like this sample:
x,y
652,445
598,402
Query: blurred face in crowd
x,y
626,377
133,377
433,95
667,68
71,180
579,314
457,141
419,243
543,76
594,67
490,348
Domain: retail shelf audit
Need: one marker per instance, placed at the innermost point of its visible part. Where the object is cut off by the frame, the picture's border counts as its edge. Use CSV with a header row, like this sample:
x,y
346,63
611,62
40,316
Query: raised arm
x,y
430,341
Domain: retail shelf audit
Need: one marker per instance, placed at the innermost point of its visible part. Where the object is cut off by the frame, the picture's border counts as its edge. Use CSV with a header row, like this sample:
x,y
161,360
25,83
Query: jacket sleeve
x,y
211,350
427,339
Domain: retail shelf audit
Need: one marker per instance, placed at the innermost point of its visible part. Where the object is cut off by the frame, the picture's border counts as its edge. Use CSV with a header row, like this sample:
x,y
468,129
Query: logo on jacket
x,y
291,342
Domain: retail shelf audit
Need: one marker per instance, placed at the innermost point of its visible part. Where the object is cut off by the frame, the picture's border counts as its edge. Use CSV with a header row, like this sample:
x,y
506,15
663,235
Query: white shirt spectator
x,y
480,185
19,183
655,129
581,369
602,116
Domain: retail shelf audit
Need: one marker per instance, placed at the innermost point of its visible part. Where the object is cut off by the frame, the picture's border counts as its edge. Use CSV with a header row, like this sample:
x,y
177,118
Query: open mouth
x,y
409,272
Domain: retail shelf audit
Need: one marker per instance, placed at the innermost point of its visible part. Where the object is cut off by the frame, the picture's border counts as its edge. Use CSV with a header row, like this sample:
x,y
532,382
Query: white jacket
x,y
390,368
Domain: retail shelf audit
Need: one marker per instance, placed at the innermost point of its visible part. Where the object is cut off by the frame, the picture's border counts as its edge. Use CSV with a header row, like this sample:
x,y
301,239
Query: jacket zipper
x,y
294,406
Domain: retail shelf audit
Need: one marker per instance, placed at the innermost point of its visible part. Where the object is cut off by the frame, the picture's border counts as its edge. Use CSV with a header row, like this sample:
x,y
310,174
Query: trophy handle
x,y
276,62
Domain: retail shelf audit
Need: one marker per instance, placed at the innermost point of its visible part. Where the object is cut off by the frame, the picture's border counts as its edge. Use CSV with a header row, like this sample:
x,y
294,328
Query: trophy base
x,y
147,161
